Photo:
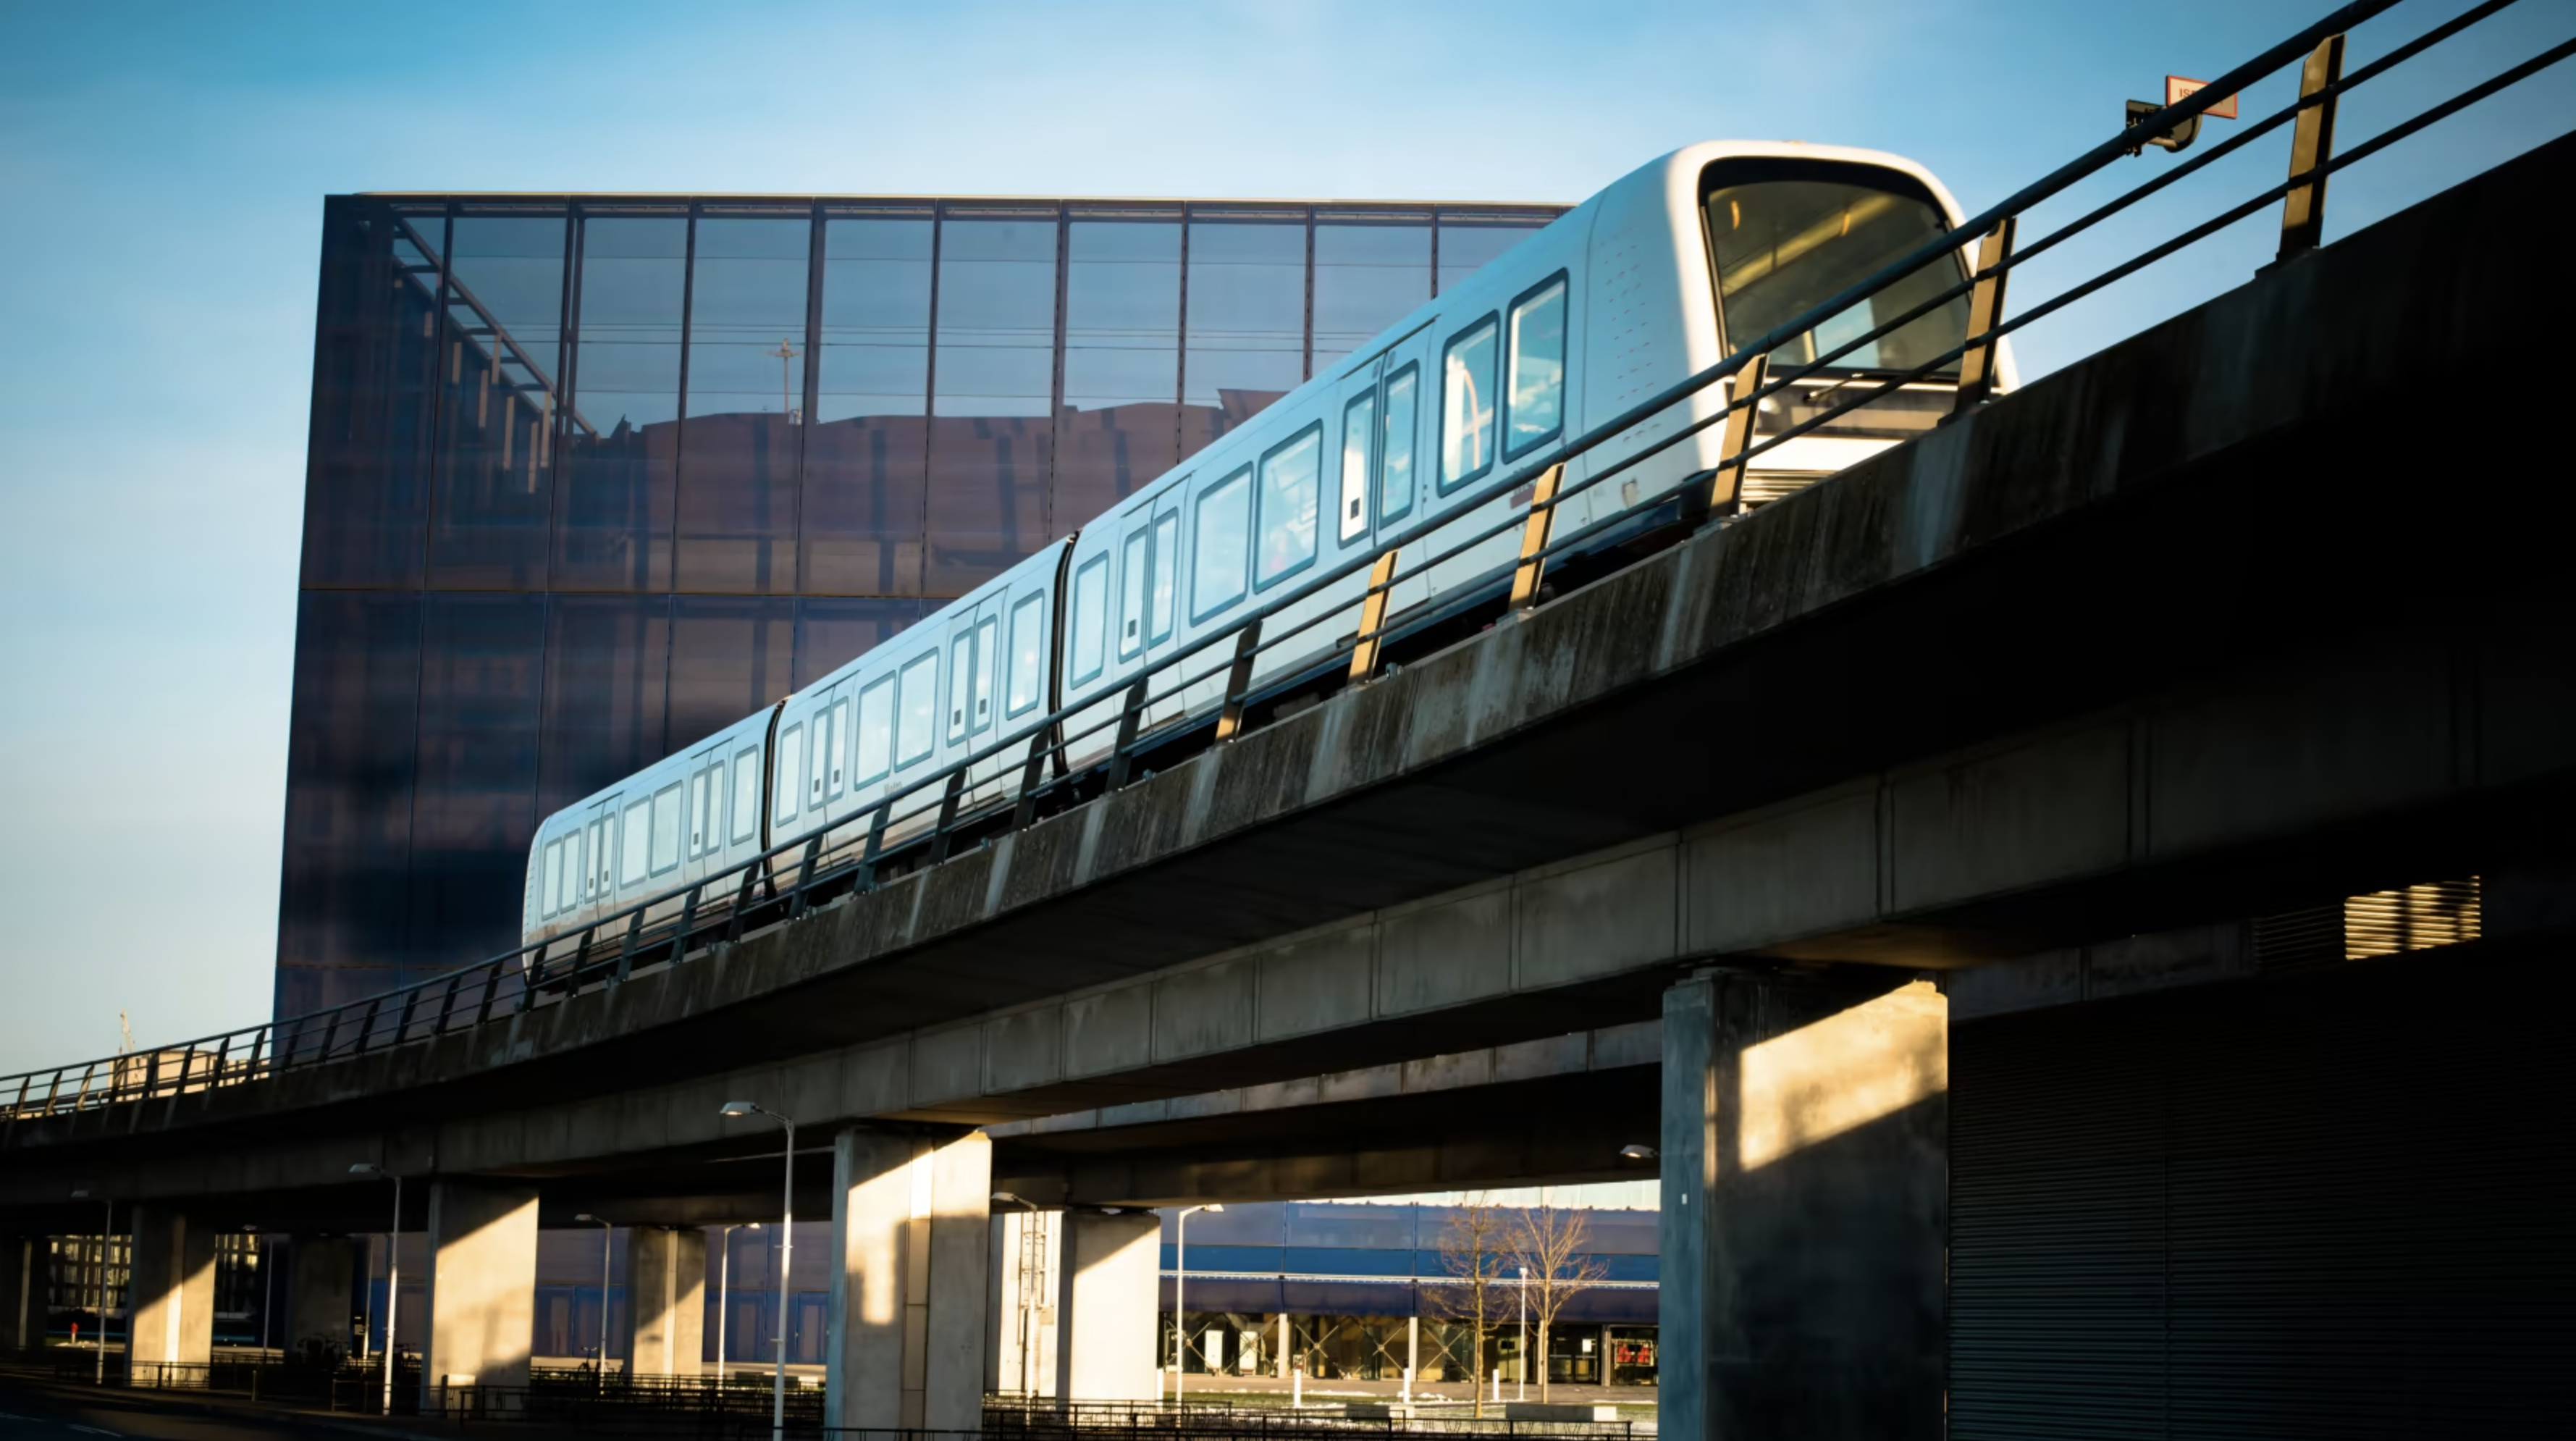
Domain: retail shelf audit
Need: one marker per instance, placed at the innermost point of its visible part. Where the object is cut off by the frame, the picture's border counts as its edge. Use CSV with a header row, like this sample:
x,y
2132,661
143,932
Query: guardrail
x,y
1078,752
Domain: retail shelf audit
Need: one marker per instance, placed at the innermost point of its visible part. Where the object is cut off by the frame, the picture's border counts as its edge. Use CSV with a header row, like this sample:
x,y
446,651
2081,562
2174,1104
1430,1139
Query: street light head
x,y
739,1109
366,1168
83,1195
1214,1206
1635,1152
754,1226
586,1216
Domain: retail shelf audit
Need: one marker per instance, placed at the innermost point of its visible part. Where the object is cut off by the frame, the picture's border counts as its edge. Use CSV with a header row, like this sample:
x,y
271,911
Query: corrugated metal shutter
x,y
2324,1204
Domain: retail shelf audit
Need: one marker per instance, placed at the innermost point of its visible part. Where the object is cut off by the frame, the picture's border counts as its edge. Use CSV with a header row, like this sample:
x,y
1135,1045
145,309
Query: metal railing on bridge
x,y
1084,749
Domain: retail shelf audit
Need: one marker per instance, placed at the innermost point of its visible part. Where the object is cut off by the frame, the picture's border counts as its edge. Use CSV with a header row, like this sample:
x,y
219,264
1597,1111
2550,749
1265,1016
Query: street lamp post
x,y
724,1284
607,1240
1180,1316
1524,1335
103,1236
786,1253
393,1272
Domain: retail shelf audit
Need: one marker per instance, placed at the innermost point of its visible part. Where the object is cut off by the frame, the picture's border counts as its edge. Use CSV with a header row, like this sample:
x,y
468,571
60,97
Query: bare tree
x,y
1473,1248
1547,1242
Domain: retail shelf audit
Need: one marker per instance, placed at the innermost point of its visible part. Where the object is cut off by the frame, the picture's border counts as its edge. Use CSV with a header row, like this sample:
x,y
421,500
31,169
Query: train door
x,y
599,855
1159,530
704,841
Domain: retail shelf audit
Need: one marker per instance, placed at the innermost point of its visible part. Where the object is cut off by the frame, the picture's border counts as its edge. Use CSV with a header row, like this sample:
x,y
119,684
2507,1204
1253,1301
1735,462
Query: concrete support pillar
x,y
1020,1306
320,1279
1805,1211
666,1301
482,1286
22,1293
1110,1287
911,1221
172,1305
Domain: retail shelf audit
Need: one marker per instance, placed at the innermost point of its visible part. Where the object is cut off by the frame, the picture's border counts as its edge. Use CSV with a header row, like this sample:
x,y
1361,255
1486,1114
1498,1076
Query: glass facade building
x,y
592,476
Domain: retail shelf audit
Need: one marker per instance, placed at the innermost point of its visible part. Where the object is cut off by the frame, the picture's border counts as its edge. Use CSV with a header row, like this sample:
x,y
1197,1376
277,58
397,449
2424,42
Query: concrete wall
x,y
482,1284
666,1289
172,1296
1106,1320
1021,1303
321,1277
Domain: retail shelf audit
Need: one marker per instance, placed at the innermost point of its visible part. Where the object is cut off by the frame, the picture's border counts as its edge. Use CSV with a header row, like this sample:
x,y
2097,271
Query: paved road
x,y
31,1413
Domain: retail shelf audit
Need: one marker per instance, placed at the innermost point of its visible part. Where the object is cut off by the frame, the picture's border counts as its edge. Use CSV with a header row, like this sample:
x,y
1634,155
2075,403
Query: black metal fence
x,y
1083,749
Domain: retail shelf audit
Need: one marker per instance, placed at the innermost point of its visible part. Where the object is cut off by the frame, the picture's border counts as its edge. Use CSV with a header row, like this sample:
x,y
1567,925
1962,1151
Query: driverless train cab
x,y
1413,446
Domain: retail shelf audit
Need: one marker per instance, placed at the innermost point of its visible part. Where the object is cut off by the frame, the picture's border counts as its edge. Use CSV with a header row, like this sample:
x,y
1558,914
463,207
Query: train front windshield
x,y
1784,245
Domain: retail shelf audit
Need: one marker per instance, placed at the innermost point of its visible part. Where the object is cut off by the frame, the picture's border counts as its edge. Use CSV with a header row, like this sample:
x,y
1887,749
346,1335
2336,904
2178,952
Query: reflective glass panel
x,y
1368,275
1028,652
375,368
791,769
746,795
1247,321
746,403
1785,246
1535,403
634,843
730,656
1467,405
876,730
1119,427
1359,430
1222,544
474,786
550,874
608,666
1468,243
993,395
622,440
832,631
1290,482
1395,449
666,828
505,300
1090,616
917,706
867,446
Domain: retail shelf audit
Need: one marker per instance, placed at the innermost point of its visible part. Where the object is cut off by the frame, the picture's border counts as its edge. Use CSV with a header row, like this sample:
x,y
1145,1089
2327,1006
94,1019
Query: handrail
x,y
717,908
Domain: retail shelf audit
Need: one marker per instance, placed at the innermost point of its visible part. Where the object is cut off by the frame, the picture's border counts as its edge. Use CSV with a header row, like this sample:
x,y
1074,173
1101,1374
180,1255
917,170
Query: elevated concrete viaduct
x,y
2259,609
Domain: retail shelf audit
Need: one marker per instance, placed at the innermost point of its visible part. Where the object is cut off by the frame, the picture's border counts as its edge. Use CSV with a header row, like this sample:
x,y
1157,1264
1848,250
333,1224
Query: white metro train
x,y
1405,445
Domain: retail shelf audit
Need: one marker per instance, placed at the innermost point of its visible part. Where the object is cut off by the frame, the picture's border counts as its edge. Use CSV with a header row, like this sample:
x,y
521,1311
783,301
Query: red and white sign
x,y
2178,89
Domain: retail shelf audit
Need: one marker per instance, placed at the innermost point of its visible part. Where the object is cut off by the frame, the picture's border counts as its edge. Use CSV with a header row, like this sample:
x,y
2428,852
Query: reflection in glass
x,y
746,404
1395,445
993,392
1467,405
1289,483
1468,243
608,664
496,419
1359,432
1120,425
474,796
730,655
830,633
374,366
1222,544
1785,246
1368,275
1247,322
866,452
1535,388
349,770
622,447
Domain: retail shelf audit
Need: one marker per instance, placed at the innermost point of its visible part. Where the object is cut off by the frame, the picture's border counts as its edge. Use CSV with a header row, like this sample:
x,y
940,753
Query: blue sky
x,y
165,166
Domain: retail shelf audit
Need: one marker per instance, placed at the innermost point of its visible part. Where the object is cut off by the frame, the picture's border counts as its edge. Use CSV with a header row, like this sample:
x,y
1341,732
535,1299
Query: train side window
x,y
595,877
988,648
550,879
1534,385
1028,652
840,744
1131,595
1359,429
819,763
1090,615
1291,485
917,706
876,730
666,828
791,770
1222,544
961,667
699,790
1467,405
746,794
1166,573
1395,451
635,842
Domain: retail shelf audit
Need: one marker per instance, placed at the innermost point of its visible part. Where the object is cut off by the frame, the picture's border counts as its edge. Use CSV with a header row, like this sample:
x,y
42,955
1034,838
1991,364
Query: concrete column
x,y
1020,1303
911,1223
320,1277
1110,1286
22,1294
482,1285
666,1300
1805,1211
173,1301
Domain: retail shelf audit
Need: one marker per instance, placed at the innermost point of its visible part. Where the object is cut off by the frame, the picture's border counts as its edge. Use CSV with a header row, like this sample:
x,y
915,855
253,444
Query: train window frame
x,y
666,804
1162,576
904,713
746,787
988,650
1411,374
701,786
1489,326
961,673
1312,431
550,879
1086,627
1512,361
1201,555
875,741
1026,675
634,861
791,772
1134,561
1357,490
